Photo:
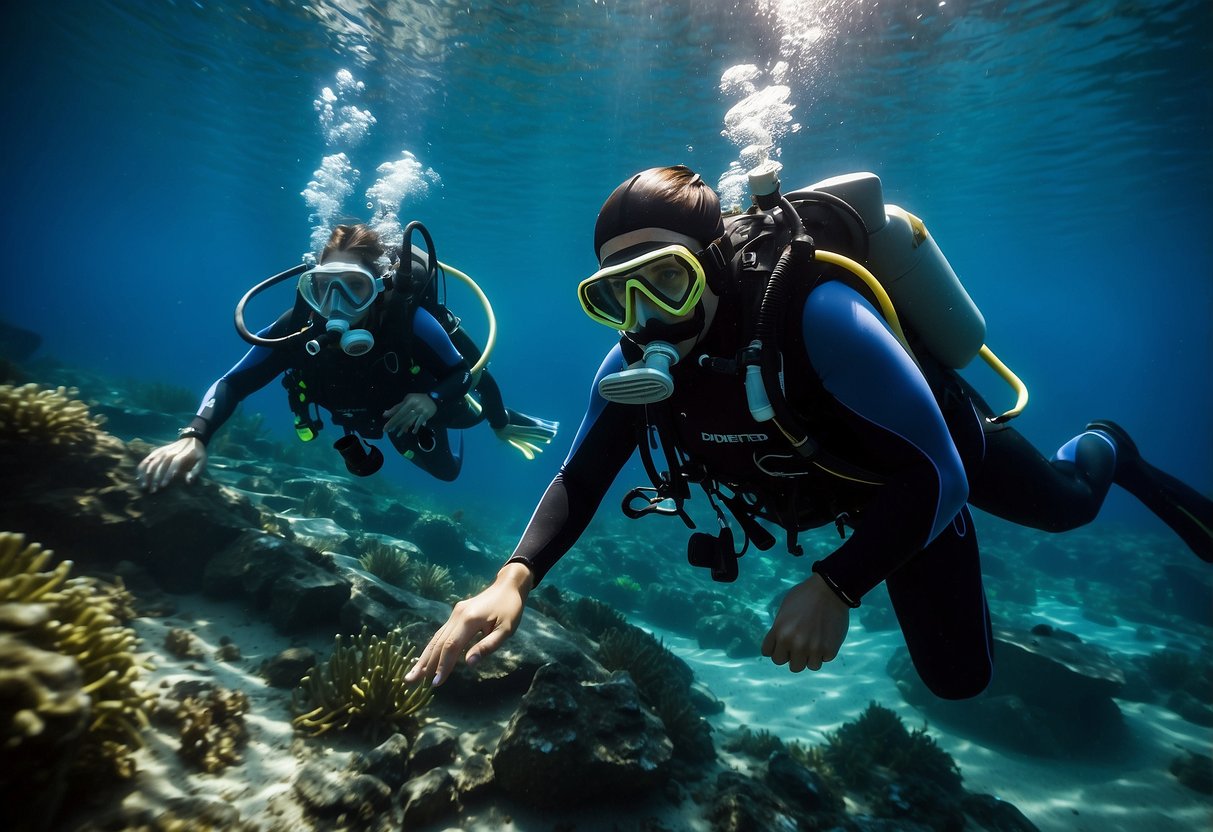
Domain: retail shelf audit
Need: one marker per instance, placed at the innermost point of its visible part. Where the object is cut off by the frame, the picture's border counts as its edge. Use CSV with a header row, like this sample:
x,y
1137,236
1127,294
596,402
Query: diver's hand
x,y
410,415
494,613
809,628
185,459
527,433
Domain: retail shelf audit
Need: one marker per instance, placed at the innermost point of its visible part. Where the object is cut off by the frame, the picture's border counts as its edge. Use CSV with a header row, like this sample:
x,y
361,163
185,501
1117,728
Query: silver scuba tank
x,y
903,256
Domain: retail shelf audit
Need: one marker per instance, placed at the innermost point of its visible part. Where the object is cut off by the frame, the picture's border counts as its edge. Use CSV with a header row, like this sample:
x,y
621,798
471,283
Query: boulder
x,y
573,741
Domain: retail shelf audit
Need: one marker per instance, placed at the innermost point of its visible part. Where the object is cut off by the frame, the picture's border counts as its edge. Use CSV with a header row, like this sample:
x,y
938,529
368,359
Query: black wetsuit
x,y
866,402
408,357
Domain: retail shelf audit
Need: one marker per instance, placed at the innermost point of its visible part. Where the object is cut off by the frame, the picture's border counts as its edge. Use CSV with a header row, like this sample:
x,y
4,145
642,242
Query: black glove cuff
x,y
835,588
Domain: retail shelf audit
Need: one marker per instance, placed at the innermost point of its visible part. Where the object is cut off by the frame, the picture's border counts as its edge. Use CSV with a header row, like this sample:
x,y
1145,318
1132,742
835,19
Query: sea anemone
x,y
362,684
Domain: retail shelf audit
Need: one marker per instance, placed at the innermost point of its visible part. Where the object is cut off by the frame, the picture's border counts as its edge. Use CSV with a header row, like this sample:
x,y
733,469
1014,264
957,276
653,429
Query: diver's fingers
x,y
196,470
487,645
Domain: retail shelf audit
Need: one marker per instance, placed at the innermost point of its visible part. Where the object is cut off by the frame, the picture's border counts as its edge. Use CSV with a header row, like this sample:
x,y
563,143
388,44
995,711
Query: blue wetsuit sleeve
x,y
259,367
434,352
863,366
603,444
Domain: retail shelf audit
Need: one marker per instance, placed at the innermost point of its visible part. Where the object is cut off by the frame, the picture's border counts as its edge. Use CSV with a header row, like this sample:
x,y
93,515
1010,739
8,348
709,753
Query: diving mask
x,y
670,278
340,288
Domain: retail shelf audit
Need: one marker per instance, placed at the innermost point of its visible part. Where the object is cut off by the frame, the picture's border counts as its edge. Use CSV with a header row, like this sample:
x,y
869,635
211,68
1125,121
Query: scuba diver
x,y
769,366
378,351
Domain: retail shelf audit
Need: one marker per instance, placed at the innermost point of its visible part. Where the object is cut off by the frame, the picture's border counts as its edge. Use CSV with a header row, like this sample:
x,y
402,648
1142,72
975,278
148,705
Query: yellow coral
x,y
84,626
362,683
47,417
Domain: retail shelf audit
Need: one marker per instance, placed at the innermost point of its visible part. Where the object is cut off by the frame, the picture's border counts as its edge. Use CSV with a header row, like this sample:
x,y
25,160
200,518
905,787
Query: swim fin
x,y
1188,512
527,433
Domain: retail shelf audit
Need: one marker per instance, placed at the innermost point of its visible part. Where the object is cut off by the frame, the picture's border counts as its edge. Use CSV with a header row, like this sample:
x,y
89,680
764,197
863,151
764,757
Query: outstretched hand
x,y
809,628
184,459
494,614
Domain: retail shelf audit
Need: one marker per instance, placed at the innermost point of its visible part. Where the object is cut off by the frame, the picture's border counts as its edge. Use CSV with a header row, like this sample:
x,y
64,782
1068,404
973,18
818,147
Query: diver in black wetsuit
x,y
353,346
900,447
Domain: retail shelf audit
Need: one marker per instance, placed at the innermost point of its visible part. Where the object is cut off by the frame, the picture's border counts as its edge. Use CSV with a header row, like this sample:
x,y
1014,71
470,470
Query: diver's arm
x,y
185,459
433,351
604,442
602,446
259,367
869,373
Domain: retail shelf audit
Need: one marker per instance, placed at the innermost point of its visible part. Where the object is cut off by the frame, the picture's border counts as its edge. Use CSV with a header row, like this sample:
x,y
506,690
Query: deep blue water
x,y
154,155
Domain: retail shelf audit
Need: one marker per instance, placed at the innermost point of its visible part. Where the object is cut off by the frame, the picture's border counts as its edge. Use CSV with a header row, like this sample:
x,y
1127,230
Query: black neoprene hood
x,y
650,200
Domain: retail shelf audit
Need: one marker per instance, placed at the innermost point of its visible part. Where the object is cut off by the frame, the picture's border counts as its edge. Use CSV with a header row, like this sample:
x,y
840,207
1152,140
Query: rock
x,y
1195,771
474,777
388,762
307,597
993,815
428,798
739,635
326,792
1051,697
434,746
743,805
799,785
281,574
380,606
288,667
573,742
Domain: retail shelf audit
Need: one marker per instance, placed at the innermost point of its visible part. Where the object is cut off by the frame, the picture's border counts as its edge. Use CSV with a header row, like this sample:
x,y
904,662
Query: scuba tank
x,y
904,257
909,276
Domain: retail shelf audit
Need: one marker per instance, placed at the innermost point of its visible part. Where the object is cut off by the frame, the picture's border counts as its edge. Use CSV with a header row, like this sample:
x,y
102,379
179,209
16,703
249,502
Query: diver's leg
x,y
430,450
1015,482
1188,512
941,605
491,401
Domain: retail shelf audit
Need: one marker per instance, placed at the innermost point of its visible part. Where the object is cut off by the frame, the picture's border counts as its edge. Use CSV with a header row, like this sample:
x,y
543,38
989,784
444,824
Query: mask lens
x,y
351,291
670,278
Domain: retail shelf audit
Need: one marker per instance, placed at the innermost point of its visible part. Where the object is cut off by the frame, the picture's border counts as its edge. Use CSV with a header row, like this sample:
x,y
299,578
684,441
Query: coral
x,y
594,618
386,562
758,744
430,581
212,729
859,750
183,644
43,712
362,684
81,622
30,413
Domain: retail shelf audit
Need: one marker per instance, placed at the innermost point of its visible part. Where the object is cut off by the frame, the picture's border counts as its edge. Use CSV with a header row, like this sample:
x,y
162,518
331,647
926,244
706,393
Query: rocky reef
x,y
580,714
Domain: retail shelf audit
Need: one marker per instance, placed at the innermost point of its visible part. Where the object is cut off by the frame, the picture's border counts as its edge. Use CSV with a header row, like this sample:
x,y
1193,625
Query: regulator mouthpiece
x,y
647,384
353,341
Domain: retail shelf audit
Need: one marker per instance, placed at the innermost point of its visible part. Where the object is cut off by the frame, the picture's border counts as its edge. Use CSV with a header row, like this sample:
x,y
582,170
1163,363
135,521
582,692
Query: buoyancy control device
x,y
893,255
